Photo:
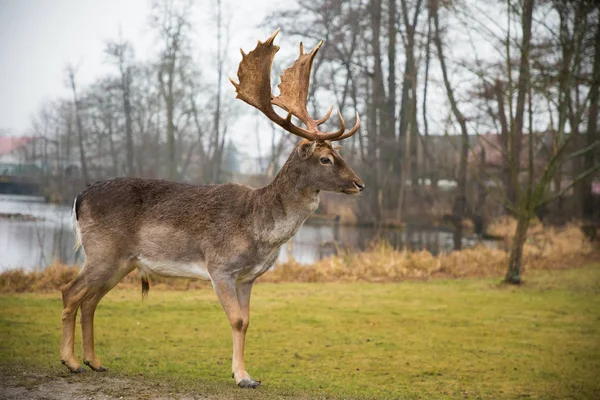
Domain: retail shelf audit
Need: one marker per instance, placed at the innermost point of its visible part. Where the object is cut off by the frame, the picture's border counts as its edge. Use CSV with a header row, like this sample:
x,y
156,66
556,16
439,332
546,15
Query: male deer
x,y
229,234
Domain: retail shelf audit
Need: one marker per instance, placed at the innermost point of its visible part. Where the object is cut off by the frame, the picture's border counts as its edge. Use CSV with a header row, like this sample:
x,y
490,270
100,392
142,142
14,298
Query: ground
x,y
470,338
51,387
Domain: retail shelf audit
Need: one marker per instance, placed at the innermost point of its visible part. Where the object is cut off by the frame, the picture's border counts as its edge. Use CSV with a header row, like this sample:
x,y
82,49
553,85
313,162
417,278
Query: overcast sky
x,y
40,37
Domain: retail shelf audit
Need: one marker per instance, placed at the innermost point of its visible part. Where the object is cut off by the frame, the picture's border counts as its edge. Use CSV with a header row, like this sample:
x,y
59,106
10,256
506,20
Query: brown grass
x,y
546,248
57,275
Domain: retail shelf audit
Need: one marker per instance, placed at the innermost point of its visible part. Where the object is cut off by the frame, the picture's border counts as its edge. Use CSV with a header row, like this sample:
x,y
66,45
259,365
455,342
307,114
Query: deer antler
x,y
254,73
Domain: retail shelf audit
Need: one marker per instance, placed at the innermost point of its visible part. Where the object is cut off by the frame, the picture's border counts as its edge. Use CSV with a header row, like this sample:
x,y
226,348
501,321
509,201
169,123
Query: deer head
x,y
317,160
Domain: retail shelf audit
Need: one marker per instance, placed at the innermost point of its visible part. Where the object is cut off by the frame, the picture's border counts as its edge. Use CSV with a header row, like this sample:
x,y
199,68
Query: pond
x,y
39,233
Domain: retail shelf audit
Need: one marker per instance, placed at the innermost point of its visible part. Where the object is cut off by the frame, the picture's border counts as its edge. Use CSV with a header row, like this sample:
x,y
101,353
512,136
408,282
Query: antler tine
x,y
271,38
325,117
351,131
336,134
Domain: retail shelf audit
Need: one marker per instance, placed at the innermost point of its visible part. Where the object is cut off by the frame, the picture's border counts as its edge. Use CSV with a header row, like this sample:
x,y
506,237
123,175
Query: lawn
x,y
437,339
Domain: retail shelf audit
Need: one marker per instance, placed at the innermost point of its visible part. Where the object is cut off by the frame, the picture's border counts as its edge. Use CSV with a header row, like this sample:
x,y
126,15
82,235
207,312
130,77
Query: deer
x,y
229,234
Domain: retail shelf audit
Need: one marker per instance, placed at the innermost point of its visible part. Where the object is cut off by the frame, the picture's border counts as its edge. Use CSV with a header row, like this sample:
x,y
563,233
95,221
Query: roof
x,y
9,144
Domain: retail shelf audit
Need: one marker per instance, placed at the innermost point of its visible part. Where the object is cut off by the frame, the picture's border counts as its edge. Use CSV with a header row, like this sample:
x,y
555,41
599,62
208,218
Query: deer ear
x,y
305,150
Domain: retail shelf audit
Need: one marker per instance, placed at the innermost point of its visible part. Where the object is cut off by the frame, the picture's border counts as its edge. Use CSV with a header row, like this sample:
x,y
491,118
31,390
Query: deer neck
x,y
286,203
290,189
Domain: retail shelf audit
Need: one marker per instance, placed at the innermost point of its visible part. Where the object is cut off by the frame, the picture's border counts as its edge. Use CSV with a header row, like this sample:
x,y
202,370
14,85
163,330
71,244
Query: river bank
x,y
546,249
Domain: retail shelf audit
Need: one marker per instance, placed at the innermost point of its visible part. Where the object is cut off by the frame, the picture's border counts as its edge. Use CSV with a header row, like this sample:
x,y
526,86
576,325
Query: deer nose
x,y
359,185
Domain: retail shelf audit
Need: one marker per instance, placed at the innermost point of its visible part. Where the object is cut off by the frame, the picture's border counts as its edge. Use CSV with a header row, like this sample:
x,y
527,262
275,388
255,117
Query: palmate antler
x,y
254,73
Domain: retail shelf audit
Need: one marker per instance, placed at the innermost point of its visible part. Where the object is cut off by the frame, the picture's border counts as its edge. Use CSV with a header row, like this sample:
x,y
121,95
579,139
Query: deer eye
x,y
325,160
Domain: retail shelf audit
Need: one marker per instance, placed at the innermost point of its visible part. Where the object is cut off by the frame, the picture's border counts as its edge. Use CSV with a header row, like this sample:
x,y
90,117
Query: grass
x,y
469,338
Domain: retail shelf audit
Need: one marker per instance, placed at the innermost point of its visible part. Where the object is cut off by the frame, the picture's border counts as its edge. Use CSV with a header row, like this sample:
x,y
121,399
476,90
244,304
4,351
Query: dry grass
x,y
51,278
57,275
545,249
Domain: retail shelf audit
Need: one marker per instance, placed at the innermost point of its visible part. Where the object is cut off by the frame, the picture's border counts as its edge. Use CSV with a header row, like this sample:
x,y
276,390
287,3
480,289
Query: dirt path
x,y
32,386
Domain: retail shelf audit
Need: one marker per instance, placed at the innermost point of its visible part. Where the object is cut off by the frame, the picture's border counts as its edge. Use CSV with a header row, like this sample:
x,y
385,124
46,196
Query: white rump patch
x,y
174,268
75,225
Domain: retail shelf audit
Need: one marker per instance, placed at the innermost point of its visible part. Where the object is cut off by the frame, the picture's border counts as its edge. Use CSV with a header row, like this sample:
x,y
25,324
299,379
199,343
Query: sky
x,y
38,38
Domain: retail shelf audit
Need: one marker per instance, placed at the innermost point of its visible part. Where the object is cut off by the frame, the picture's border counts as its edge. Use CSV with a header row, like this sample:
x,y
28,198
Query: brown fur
x,y
231,230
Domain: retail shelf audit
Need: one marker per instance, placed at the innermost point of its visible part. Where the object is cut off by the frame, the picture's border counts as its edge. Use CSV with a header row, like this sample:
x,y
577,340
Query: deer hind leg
x,y
235,299
101,283
88,308
87,289
73,294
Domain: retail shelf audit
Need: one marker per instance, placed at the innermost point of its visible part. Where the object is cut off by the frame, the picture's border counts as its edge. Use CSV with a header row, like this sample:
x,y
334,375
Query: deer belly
x,y
174,268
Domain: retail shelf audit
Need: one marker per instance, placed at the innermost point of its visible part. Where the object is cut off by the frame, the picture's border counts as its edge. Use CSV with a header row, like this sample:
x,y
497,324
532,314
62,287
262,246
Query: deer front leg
x,y
243,291
235,299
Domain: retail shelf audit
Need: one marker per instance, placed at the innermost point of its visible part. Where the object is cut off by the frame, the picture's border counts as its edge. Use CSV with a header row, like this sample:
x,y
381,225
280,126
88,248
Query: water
x,y
316,241
32,245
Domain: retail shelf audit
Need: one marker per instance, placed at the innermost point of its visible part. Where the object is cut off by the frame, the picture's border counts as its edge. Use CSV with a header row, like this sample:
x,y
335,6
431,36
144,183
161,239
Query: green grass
x,y
438,339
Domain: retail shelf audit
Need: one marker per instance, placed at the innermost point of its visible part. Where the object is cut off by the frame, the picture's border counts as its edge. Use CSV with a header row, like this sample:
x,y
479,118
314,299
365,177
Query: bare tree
x,y
121,52
170,20
71,71
591,158
460,203
218,141
522,197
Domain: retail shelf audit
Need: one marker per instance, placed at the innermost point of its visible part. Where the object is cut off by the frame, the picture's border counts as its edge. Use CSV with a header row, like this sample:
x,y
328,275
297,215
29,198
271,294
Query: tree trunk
x,y
388,134
216,157
589,158
126,89
113,151
460,202
504,137
370,210
408,112
380,121
167,93
407,106
172,161
515,261
522,88
79,125
513,274
428,162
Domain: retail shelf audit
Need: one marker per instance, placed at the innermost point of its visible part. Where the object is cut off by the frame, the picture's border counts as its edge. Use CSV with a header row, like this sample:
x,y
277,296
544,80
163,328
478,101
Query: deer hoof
x,y
99,369
248,383
77,370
